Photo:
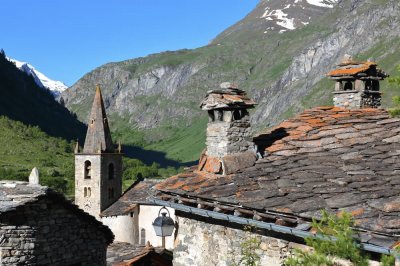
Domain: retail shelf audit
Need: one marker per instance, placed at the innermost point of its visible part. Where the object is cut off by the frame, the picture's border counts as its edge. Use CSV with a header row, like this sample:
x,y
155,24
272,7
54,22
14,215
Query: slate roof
x,y
358,69
15,194
227,98
126,254
325,158
138,193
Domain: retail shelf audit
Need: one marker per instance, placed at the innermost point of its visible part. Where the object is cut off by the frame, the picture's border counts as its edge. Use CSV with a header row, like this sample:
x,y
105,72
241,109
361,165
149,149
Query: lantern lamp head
x,y
163,224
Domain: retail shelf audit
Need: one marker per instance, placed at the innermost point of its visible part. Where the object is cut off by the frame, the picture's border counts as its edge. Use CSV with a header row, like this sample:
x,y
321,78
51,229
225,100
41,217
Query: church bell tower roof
x,y
98,136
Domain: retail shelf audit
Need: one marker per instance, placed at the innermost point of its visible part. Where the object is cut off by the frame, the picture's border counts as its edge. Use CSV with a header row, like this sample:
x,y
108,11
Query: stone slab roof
x,y
325,158
228,97
125,254
354,68
138,193
15,194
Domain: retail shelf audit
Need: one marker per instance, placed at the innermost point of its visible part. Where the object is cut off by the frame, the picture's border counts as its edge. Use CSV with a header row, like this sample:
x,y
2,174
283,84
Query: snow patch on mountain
x,y
280,17
55,87
323,3
292,14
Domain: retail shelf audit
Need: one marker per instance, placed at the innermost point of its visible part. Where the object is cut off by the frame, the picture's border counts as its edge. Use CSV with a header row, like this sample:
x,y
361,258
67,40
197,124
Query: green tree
x,y
395,111
334,238
248,248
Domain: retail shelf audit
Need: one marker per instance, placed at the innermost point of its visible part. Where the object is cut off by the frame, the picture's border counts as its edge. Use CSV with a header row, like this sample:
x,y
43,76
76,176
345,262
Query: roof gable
x,y
17,194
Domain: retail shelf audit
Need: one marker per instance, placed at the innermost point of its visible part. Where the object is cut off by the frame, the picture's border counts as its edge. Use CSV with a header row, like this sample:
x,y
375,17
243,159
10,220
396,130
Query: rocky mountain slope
x,y
280,53
54,86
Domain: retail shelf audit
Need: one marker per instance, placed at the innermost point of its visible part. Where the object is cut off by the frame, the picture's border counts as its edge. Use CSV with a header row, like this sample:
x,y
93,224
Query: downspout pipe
x,y
259,224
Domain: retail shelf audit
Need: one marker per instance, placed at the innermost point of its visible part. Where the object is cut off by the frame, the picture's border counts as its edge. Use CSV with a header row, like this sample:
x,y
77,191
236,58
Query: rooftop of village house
x,y
18,194
325,158
125,254
138,193
357,69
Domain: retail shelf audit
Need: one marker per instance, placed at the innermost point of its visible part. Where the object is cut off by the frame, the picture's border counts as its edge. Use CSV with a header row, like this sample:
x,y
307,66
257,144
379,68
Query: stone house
x,y
338,158
98,185
41,227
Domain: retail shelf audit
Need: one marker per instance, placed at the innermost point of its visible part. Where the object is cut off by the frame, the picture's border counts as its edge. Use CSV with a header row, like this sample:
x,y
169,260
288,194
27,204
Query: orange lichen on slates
x,y
232,98
304,128
289,124
176,185
349,71
284,210
340,115
275,147
313,121
212,165
354,213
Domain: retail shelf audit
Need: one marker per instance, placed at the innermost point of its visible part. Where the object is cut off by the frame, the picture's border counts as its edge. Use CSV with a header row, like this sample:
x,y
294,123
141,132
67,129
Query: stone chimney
x,y
357,84
229,147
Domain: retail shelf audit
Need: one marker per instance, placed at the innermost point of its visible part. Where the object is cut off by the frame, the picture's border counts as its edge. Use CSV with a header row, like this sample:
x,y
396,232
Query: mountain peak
x,y
55,87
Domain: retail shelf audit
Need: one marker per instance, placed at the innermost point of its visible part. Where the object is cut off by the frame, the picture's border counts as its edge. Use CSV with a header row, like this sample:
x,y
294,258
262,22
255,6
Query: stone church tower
x,y
98,168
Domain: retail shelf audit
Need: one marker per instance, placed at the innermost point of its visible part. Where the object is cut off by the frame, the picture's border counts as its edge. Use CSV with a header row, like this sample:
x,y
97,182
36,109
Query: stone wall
x,y
224,138
46,233
203,241
357,99
200,243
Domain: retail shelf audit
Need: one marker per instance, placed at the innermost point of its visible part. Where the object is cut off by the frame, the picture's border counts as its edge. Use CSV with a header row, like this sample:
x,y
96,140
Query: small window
x,y
237,115
211,116
220,115
348,86
88,170
87,192
92,122
110,171
375,85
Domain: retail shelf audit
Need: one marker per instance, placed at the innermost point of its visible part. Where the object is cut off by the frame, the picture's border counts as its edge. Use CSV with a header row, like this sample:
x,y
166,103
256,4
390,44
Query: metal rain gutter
x,y
259,224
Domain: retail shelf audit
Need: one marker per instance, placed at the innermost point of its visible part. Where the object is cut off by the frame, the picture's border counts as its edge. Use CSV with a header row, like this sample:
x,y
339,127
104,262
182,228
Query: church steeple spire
x,y
98,136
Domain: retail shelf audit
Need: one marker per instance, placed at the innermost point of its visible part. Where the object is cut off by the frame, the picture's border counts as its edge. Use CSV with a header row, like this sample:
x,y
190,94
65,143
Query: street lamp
x,y
163,225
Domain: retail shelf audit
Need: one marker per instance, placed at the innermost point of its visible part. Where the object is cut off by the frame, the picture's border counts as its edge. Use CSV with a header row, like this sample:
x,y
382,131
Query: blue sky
x,y
66,39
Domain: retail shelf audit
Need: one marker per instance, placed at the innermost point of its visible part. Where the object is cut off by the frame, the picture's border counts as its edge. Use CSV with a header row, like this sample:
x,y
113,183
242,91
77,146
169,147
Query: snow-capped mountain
x,y
56,87
292,14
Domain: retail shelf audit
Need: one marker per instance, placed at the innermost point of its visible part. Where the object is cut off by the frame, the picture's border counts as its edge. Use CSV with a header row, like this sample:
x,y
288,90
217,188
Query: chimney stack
x,y
228,145
357,84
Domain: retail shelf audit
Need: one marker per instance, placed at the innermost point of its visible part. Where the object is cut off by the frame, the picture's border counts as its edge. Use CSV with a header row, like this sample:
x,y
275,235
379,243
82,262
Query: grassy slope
x,y
24,147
